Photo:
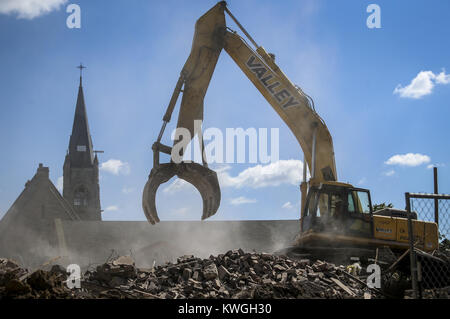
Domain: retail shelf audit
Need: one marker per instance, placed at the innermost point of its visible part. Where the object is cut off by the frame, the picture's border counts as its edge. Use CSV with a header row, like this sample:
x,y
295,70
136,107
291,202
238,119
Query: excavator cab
x,y
337,208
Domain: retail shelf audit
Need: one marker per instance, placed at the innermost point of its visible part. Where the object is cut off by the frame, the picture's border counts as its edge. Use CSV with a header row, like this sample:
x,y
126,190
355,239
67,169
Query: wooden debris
x,y
343,287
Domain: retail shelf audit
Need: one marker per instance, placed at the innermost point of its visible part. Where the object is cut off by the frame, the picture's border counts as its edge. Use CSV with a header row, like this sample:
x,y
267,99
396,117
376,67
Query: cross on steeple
x,y
81,67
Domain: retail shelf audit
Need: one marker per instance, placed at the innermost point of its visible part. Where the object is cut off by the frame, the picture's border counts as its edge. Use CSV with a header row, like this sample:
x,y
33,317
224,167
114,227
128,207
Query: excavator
x,y
334,216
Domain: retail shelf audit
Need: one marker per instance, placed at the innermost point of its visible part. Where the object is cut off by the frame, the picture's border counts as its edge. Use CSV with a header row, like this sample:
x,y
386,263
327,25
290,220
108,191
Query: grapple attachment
x,y
203,178
158,176
195,77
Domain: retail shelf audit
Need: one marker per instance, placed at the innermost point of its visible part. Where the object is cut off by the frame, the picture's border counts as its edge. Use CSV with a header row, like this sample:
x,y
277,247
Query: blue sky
x,y
134,51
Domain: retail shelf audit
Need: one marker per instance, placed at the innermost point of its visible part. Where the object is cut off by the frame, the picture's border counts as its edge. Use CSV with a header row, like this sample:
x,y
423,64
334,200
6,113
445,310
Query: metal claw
x,y
158,176
202,178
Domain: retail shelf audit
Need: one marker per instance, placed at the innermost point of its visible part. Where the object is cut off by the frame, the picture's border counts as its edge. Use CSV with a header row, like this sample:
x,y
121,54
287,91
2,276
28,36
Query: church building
x,y
81,184
31,224
44,225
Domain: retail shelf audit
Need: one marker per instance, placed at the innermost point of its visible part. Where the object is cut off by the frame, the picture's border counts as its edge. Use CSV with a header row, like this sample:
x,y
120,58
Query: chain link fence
x,y
431,269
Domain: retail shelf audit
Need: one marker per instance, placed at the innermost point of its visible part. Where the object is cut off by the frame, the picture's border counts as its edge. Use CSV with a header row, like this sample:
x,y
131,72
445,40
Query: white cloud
x,y
430,166
362,181
287,205
176,185
127,190
29,9
409,159
179,212
115,167
443,78
111,208
389,173
242,200
422,84
273,174
60,184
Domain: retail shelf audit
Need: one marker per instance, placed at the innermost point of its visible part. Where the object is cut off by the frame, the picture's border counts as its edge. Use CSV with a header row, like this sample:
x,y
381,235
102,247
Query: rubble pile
x,y
235,274
436,293
232,275
16,282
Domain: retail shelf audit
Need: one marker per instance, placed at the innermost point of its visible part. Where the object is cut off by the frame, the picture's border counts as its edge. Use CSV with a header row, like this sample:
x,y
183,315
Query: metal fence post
x,y
436,201
412,254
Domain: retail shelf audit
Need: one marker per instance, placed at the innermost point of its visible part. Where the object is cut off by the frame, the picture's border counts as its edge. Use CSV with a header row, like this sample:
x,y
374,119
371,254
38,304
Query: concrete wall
x,y
89,243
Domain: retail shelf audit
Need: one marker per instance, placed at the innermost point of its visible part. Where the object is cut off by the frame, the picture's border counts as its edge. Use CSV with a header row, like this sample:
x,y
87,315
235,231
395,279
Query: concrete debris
x,y
235,274
436,293
124,261
210,272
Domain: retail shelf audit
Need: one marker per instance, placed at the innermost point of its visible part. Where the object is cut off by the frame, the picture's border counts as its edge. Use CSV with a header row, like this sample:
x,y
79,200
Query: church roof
x,y
81,151
39,201
40,192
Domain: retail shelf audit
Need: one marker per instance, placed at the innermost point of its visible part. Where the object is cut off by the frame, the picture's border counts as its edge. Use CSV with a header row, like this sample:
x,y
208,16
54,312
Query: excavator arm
x,y
289,101
193,82
291,104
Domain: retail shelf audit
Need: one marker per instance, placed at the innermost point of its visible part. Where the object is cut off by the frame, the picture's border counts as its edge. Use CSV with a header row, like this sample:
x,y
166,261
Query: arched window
x,y
80,197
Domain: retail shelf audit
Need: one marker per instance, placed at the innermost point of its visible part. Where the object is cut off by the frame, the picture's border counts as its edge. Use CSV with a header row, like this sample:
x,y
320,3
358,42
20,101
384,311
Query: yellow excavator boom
x,y
291,104
288,100
297,111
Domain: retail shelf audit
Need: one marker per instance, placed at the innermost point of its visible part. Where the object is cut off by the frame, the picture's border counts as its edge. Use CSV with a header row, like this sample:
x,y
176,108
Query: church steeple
x,y
81,182
80,146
